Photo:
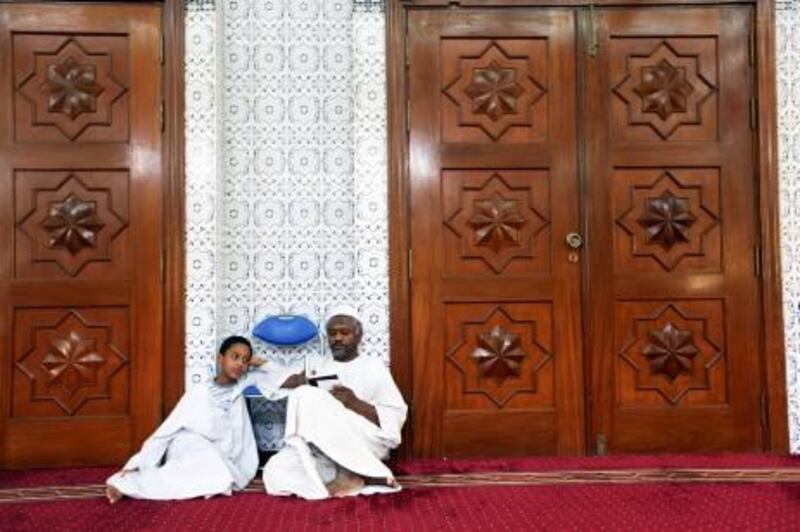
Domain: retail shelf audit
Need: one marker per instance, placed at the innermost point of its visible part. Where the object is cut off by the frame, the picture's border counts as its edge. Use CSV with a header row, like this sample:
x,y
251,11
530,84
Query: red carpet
x,y
471,504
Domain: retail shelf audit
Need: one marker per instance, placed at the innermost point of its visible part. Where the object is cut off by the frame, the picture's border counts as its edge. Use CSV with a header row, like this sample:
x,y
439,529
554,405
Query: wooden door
x,y
493,195
674,320
80,215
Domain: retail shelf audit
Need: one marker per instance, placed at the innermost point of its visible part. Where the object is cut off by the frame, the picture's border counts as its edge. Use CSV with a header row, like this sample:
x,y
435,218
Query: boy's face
x,y
233,362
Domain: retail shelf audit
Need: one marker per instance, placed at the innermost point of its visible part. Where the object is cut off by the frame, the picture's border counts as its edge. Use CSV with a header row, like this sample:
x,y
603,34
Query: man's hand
x,y
257,362
344,395
348,398
294,381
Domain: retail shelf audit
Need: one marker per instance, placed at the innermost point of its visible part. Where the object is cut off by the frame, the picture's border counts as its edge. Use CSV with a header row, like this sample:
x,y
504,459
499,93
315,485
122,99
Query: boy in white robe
x,y
338,434
206,442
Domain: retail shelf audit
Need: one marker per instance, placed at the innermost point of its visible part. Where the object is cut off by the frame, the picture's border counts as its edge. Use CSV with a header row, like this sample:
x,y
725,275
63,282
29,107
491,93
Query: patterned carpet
x,y
610,493
548,478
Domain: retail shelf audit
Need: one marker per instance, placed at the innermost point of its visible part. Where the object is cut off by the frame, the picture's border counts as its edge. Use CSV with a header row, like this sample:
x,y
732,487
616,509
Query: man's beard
x,y
343,351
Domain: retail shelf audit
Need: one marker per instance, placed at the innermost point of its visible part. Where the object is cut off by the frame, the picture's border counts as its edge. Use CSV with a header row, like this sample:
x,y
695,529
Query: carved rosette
x,y
71,362
671,353
71,89
664,90
496,223
498,357
494,91
499,354
668,220
71,224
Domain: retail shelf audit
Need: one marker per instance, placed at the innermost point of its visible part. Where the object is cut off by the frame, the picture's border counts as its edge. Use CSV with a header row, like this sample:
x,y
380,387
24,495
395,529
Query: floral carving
x,y
496,222
663,89
668,217
73,224
494,91
499,354
72,219
73,362
670,351
71,356
667,220
72,87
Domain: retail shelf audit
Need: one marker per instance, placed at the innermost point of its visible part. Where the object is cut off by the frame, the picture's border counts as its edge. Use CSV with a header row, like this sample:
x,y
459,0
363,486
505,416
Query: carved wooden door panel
x,y
495,298
674,302
80,211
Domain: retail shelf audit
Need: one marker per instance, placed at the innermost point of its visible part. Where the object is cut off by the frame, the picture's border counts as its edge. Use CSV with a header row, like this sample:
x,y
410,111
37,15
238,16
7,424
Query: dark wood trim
x,y
772,287
174,202
399,231
777,439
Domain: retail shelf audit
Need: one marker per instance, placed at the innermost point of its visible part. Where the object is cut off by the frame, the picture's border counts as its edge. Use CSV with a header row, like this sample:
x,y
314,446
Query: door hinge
x,y
407,98
410,264
163,267
757,258
753,113
601,444
162,116
764,410
751,48
162,50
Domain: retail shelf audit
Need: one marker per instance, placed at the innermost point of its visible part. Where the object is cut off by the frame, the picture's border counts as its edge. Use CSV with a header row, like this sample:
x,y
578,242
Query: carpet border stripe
x,y
460,480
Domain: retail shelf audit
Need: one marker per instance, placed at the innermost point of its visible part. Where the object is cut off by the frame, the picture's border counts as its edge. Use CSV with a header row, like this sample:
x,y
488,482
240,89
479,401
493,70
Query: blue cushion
x,y
252,391
286,330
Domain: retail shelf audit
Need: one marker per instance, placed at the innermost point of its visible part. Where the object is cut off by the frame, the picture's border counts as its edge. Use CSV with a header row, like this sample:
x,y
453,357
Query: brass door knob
x,y
574,240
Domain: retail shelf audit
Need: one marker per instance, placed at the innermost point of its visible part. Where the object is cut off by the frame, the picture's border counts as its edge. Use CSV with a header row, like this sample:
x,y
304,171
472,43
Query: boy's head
x,y
234,356
344,335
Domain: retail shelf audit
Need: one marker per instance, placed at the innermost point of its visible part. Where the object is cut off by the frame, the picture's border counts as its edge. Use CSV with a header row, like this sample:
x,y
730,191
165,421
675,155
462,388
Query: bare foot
x,y
345,484
388,481
113,494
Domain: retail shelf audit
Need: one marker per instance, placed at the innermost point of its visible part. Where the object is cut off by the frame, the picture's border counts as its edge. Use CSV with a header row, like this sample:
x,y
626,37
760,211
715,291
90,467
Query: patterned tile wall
x,y
286,172
788,59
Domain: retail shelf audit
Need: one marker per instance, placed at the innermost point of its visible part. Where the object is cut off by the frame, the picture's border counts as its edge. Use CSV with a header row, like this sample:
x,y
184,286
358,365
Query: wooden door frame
x,y
773,353
174,258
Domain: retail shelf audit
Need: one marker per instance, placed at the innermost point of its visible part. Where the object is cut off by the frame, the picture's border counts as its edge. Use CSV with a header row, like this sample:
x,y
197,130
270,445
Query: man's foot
x,y
113,494
388,481
345,484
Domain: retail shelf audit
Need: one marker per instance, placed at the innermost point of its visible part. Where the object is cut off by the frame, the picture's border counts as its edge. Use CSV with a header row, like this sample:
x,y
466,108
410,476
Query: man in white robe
x,y
339,432
206,443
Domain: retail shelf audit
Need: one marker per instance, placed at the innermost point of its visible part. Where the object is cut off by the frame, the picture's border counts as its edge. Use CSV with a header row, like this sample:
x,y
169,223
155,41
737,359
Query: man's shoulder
x,y
372,362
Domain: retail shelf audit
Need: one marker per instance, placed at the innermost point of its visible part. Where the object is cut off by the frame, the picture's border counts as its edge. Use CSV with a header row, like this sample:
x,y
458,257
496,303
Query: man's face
x,y
343,339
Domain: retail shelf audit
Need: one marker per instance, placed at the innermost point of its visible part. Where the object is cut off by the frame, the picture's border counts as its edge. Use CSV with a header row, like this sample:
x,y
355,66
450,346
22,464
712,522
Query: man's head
x,y
344,334
234,356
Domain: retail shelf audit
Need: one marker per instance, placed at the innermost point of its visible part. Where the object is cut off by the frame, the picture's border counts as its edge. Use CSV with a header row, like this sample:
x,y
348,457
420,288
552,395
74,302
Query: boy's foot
x,y
345,484
113,494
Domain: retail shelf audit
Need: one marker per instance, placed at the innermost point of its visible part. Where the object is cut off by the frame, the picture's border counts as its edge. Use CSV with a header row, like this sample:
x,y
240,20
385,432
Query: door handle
x,y
574,240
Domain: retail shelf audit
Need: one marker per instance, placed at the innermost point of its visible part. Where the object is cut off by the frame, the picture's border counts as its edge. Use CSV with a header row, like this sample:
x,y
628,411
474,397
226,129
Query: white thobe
x,y
319,429
207,444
